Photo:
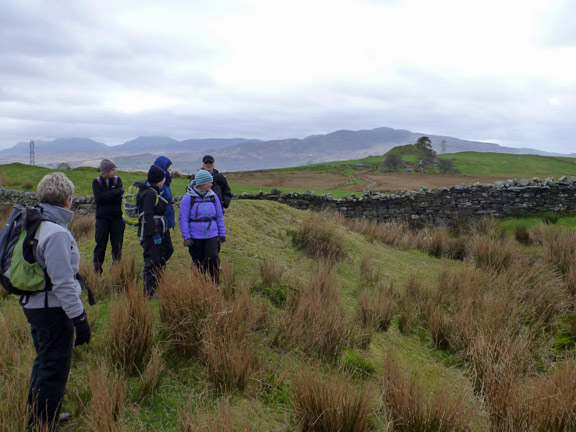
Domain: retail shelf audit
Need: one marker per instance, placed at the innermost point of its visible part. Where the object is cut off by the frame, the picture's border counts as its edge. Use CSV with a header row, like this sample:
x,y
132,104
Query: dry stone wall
x,y
427,206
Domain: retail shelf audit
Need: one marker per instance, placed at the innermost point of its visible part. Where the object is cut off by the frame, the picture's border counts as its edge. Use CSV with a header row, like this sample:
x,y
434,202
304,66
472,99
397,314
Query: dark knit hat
x,y
107,165
203,177
208,158
155,174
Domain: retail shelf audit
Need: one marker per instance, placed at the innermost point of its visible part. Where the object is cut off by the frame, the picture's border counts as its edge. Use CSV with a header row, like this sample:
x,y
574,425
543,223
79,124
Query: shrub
x,y
319,238
410,410
335,404
131,331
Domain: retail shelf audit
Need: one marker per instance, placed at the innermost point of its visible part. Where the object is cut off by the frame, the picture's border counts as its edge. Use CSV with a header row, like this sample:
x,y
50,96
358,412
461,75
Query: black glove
x,y
222,239
188,242
83,332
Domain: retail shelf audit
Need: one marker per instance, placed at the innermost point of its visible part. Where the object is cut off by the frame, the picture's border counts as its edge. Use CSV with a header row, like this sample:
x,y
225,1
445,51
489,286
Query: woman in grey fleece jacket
x,y
53,315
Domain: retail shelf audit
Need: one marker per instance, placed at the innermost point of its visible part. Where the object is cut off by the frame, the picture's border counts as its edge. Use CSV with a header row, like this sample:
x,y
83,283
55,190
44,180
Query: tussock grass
x,y
317,236
187,300
108,390
150,378
315,318
492,253
131,331
411,303
217,419
376,307
410,409
115,280
522,235
230,348
228,279
326,405
559,246
271,272
82,227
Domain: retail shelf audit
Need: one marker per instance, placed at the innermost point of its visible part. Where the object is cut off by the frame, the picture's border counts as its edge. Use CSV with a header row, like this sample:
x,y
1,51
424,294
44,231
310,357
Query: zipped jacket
x,y
163,162
201,217
108,197
58,253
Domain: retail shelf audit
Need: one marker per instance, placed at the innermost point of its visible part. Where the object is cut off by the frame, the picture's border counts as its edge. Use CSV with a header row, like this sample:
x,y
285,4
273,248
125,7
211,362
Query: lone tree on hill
x,y
425,152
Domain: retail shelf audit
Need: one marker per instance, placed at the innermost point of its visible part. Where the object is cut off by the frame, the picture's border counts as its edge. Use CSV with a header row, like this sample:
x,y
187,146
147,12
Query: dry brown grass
x,y
522,235
230,348
108,390
228,279
490,253
150,379
272,272
187,300
559,246
314,317
216,419
552,399
327,405
376,307
131,331
116,280
318,236
411,303
410,409
82,227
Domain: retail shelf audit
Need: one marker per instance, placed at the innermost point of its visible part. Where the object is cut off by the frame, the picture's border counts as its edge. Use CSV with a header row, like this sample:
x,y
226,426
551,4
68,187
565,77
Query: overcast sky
x,y
112,70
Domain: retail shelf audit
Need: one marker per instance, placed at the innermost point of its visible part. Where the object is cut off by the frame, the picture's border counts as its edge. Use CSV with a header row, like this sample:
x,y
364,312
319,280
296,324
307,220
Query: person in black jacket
x,y
108,191
220,185
152,227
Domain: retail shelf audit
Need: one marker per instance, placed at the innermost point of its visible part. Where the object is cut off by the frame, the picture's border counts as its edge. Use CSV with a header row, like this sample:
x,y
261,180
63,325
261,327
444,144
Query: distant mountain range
x,y
239,154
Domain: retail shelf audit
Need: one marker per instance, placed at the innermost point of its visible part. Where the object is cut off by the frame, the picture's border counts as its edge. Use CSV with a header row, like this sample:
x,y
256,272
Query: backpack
x,y
20,272
130,211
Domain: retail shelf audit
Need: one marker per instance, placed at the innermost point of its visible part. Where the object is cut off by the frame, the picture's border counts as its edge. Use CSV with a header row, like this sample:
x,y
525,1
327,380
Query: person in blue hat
x,y
165,164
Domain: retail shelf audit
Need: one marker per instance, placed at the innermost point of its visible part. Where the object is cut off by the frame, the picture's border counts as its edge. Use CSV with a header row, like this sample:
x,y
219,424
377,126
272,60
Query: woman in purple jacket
x,y
202,224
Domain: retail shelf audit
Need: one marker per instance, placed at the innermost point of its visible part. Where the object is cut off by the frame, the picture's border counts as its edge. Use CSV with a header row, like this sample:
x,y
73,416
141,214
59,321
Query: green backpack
x,y
21,274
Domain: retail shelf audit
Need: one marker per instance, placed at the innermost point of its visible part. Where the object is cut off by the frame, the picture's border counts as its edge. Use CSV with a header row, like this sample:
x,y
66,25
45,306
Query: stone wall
x,y
445,205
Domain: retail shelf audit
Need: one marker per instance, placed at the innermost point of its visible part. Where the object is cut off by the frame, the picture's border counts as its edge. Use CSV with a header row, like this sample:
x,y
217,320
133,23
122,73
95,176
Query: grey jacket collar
x,y
57,214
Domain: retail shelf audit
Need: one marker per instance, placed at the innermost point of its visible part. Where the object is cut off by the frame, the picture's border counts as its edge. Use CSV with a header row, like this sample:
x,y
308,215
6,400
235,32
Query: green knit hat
x,y
203,177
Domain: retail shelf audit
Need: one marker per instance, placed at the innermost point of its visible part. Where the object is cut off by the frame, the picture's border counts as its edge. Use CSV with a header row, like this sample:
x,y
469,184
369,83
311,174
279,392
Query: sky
x,y
502,71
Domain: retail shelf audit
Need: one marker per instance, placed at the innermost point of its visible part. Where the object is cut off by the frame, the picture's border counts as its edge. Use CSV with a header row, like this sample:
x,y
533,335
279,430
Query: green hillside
x,y
262,254
512,166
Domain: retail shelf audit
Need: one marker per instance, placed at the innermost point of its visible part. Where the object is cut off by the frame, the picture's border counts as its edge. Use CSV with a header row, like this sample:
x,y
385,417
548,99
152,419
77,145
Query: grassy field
x,y
337,178
381,319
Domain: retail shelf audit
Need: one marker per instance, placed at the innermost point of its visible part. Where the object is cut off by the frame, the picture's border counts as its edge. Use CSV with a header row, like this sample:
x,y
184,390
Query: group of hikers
x,y
57,312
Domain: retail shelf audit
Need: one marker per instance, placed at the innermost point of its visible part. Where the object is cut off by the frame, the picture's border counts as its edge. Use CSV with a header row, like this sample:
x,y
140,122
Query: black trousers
x,y
167,248
53,336
204,255
152,264
108,228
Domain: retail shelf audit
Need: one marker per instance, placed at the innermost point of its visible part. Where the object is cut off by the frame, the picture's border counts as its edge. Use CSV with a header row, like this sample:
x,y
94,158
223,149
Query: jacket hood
x,y
191,190
58,214
163,162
